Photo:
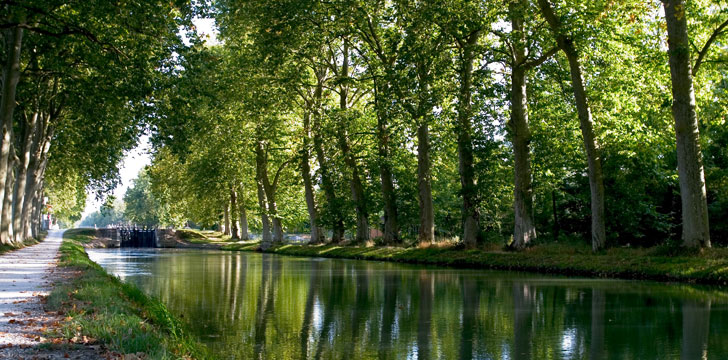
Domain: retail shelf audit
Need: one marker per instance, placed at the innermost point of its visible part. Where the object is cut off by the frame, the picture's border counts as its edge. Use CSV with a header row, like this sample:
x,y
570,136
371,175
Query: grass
x,y
82,235
660,263
202,236
101,307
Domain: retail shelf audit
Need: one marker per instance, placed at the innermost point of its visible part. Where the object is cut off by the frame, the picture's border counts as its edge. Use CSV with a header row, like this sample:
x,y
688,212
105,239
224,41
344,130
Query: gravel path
x,y
26,276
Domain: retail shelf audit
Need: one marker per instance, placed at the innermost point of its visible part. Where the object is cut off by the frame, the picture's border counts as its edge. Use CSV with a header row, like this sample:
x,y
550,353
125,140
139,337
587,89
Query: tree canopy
x,y
387,121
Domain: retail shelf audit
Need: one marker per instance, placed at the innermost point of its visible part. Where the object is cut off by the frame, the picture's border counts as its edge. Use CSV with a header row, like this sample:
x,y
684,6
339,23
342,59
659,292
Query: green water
x,y
261,306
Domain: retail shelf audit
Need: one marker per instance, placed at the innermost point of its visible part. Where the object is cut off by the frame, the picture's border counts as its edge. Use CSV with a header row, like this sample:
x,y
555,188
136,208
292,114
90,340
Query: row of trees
x,y
452,118
77,78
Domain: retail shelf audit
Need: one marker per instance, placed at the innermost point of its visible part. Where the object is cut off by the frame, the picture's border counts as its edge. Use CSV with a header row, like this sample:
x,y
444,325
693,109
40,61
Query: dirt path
x,y
25,277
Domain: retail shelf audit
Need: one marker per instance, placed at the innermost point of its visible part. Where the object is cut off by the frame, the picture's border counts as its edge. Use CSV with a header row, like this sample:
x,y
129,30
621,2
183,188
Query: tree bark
x,y
6,219
357,189
269,192
596,178
465,145
29,129
243,218
326,181
695,227
424,183
524,230
273,208
44,133
10,78
260,172
317,236
233,217
37,214
226,219
389,197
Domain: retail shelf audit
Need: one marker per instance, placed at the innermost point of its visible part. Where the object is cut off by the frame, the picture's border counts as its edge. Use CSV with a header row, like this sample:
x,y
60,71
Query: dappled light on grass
x,y
100,306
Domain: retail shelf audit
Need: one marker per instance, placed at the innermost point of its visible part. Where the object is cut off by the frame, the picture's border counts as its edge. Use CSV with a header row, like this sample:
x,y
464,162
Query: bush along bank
x,y
120,316
659,264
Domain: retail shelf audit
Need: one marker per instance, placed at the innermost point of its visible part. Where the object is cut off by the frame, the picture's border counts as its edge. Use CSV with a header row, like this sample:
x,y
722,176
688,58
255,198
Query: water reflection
x,y
261,306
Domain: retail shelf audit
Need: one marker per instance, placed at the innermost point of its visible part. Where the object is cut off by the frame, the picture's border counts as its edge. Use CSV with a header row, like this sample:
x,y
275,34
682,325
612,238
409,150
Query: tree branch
x,y
541,59
704,51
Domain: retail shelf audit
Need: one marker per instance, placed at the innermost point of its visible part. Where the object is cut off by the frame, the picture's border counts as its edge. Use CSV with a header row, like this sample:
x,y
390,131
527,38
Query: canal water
x,y
263,306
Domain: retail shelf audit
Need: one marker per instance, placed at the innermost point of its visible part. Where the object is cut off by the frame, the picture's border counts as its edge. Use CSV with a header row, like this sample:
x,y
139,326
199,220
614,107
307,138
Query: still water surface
x,y
262,306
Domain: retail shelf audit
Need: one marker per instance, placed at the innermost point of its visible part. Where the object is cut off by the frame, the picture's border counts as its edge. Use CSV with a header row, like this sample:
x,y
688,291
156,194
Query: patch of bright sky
x,y
139,157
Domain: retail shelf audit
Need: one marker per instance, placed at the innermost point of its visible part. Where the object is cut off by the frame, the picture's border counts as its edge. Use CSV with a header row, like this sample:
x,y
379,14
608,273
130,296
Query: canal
x,y
262,306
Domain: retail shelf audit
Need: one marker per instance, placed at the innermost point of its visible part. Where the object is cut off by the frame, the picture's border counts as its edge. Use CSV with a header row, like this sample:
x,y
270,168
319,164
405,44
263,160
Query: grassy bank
x,y
661,264
99,306
82,235
194,236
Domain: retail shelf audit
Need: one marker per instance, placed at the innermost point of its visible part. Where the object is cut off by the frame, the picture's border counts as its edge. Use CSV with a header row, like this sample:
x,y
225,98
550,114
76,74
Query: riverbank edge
x,y
99,306
708,269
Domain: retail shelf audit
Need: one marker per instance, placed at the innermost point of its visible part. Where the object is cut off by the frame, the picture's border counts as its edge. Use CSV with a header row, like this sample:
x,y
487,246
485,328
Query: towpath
x,y
26,276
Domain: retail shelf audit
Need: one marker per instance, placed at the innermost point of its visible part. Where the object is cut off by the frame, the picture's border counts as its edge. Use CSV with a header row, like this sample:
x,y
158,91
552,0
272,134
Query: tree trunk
x,y
326,181
596,178
424,183
695,227
357,189
29,129
37,213
243,217
260,172
269,192
273,208
317,236
389,198
40,200
524,230
6,219
233,217
391,222
465,147
10,77
36,169
226,219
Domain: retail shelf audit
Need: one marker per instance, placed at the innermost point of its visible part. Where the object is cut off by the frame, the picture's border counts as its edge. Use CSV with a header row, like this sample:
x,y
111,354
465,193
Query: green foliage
x,y
141,207
280,63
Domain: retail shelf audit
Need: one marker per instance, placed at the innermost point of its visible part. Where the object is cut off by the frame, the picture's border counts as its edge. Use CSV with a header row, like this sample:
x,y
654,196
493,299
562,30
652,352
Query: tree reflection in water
x,y
261,306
